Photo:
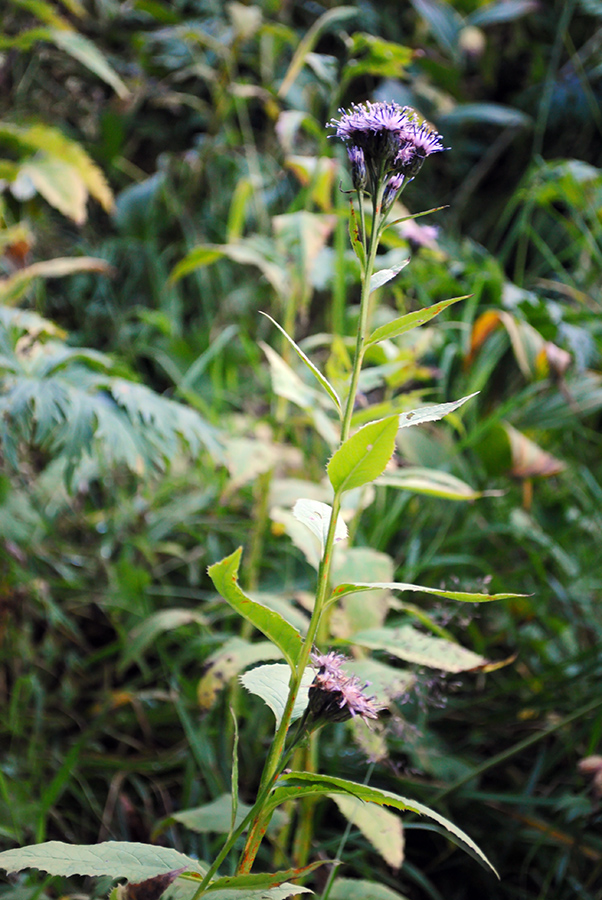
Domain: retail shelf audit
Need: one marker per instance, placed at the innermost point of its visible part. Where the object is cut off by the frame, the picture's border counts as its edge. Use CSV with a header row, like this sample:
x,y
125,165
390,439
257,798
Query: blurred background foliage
x,y
166,174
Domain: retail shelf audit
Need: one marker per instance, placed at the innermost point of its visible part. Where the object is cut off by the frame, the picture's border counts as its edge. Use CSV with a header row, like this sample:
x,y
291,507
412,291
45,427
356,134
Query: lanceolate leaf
x,y
364,455
87,53
465,596
382,828
224,575
431,482
119,859
380,278
263,881
295,785
313,369
409,321
431,413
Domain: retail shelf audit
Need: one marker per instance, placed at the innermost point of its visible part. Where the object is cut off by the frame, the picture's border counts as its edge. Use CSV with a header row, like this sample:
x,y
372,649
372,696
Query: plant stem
x,y
274,765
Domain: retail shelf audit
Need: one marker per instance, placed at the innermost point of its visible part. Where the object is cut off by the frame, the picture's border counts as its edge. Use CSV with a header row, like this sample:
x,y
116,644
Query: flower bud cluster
x,y
334,696
385,142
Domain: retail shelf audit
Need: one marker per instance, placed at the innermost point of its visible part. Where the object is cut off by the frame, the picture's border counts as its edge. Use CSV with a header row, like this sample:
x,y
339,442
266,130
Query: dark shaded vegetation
x,y
142,441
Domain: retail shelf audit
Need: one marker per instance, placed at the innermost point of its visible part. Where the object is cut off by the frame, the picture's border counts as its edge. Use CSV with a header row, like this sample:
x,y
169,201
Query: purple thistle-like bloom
x,y
334,696
390,138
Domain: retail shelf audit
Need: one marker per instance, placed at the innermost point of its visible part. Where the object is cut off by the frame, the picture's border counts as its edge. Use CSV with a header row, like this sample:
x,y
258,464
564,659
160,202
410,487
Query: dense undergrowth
x,y
174,158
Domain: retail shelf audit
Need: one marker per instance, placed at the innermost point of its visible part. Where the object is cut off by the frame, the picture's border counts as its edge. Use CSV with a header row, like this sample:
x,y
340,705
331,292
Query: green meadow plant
x,y
387,145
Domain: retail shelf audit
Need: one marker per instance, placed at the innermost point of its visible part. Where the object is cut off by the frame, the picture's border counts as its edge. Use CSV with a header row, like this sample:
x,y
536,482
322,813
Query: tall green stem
x,y
273,765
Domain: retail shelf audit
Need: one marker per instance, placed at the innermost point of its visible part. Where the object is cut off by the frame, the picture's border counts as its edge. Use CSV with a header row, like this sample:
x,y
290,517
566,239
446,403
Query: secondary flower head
x,y
390,138
334,696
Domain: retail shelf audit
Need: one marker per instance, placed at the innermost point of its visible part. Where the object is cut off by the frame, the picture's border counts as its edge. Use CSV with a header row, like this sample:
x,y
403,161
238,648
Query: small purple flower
x,y
392,191
334,696
359,174
388,139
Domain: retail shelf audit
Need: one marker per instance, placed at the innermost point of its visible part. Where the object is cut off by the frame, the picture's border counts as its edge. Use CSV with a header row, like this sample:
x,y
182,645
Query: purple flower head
x,y
334,696
389,137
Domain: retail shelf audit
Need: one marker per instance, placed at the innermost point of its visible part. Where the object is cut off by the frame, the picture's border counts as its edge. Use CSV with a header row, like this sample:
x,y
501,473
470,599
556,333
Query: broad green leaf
x,y
119,859
264,881
409,321
87,53
271,683
224,575
355,612
216,817
358,889
431,482
313,369
380,278
464,596
364,455
294,785
59,185
431,413
316,516
146,633
228,661
53,144
379,826
422,649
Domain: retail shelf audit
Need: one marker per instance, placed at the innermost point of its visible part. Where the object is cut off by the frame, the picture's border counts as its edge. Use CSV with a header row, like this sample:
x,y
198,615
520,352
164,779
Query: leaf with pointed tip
x,y
313,369
431,413
422,649
409,321
363,456
119,859
464,596
380,278
264,881
432,482
316,516
224,575
294,785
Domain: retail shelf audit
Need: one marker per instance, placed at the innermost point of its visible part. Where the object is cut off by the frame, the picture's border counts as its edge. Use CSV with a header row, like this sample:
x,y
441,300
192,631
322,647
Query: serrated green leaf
x,y
381,278
294,785
463,596
431,413
421,649
224,575
313,369
411,320
379,826
119,859
364,455
271,683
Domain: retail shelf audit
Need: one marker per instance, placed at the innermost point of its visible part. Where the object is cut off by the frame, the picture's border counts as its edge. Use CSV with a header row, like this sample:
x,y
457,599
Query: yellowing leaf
x,y
382,828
